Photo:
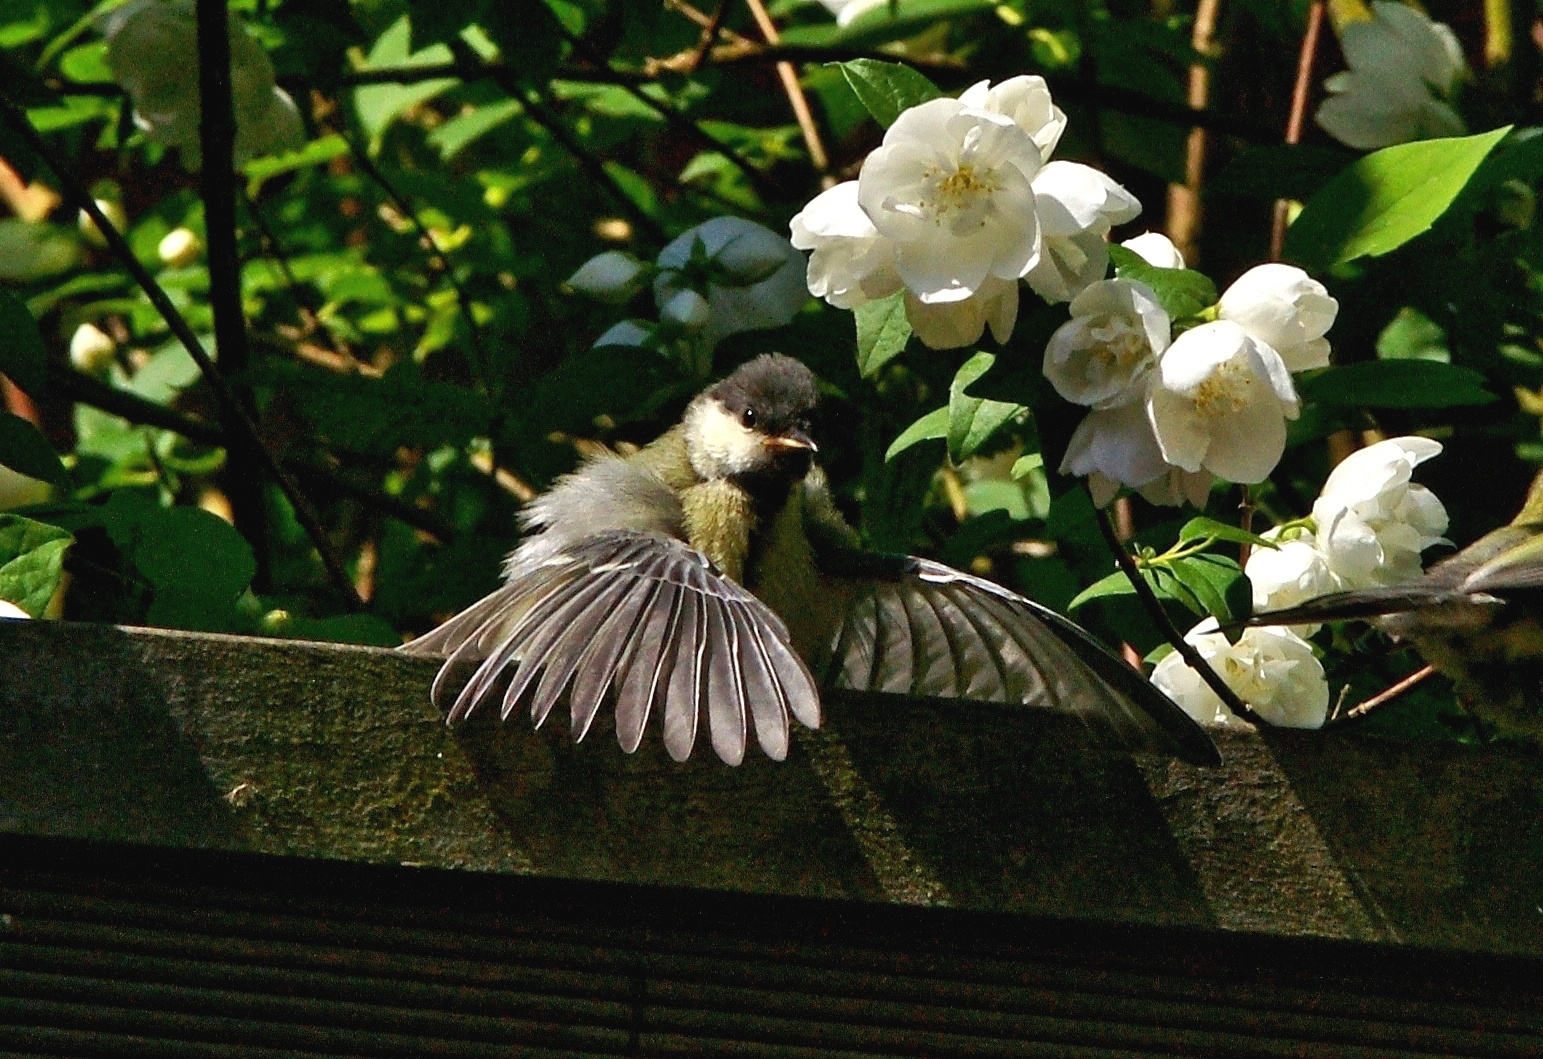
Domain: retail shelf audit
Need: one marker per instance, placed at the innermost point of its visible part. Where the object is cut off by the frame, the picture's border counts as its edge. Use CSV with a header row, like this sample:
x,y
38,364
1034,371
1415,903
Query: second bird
x,y
708,576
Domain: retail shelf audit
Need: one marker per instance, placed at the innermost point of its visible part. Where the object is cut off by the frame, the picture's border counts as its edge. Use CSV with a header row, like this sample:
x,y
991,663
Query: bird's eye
x,y
747,417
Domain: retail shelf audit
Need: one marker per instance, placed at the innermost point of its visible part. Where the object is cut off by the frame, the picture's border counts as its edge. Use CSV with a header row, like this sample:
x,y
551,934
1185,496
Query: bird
x,y
708,576
1474,617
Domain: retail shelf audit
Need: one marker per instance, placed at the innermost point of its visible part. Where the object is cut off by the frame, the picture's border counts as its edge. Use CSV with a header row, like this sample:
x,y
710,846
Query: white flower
x,y
1373,522
951,188
612,277
746,289
1400,63
851,264
11,610
1104,353
18,490
1219,401
1273,670
949,325
846,11
1077,205
1285,308
688,310
179,248
1293,572
91,349
115,215
1116,446
626,333
1156,249
152,47
1026,100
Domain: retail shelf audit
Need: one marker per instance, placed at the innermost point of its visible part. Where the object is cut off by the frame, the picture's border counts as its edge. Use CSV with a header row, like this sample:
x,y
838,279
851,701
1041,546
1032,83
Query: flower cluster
x,y
1273,670
1402,70
717,279
959,203
152,47
1368,528
1168,413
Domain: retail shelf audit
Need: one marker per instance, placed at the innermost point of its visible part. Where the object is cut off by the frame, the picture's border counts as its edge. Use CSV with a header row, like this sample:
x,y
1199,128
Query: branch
x,y
1299,92
1170,631
217,139
125,404
548,119
81,198
436,256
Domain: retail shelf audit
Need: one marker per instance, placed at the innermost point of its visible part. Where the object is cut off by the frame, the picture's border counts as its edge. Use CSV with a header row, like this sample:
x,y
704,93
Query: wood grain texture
x,y
215,742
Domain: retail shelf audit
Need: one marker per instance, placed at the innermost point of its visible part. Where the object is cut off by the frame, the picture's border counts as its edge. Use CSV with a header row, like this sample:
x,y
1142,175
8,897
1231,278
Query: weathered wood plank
x,y
334,752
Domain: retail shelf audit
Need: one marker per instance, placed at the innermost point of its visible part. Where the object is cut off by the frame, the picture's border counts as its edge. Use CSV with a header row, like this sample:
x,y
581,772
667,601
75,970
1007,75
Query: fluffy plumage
x,y
699,579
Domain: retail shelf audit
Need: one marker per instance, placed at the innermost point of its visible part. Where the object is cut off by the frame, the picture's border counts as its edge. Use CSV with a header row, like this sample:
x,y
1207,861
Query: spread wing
x,y
922,628
639,619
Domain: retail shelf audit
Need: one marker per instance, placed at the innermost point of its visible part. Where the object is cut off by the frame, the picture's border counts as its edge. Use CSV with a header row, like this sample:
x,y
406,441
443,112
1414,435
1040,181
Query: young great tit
x,y
707,575
1474,616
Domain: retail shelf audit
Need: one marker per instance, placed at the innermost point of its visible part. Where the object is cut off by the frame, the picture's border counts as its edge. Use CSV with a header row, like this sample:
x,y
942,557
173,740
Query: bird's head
x,y
755,423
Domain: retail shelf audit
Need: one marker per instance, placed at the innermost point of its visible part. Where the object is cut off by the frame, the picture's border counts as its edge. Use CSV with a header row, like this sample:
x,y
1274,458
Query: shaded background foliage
x,y
419,368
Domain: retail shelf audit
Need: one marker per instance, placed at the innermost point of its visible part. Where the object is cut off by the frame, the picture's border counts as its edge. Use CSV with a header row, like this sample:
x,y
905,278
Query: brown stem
x,y
795,93
1170,631
1299,93
1184,210
710,31
1389,693
76,193
217,141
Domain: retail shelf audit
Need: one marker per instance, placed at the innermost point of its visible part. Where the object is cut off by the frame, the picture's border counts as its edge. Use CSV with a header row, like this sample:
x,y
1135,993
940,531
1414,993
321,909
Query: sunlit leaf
x,y
31,560
882,332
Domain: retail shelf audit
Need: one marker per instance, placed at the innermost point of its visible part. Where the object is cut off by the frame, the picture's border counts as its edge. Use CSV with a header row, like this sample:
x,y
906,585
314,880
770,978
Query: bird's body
x,y
1474,616
709,572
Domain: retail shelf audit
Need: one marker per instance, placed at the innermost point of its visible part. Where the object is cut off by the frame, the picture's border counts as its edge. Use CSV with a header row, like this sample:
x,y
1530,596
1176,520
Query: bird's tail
x,y
1360,603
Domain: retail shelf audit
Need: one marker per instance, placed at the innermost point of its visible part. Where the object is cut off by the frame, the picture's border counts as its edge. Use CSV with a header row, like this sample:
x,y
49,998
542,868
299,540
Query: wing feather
x,y
648,668
923,628
726,707
764,691
683,700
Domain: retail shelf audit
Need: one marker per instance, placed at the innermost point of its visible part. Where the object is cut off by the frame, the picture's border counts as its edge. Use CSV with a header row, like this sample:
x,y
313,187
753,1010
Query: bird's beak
x,y
793,439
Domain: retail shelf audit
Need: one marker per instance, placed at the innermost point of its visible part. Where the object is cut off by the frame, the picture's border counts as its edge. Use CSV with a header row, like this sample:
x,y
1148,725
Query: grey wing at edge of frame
x,y
635,618
922,628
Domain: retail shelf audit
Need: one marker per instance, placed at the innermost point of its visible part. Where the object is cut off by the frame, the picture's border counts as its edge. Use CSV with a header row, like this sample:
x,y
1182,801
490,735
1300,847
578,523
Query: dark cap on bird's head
x,y
754,421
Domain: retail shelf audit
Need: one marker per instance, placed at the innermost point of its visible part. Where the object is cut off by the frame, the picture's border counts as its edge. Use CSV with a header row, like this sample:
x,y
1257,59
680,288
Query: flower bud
x,y
179,248
113,211
751,256
612,277
91,349
688,310
1285,308
626,333
1156,249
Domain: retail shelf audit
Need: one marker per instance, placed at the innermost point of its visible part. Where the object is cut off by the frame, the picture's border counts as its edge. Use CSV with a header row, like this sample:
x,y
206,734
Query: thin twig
x,y
1299,93
305,302
1246,523
1170,631
682,124
437,258
710,33
1184,207
217,142
543,115
81,198
125,404
795,93
1388,694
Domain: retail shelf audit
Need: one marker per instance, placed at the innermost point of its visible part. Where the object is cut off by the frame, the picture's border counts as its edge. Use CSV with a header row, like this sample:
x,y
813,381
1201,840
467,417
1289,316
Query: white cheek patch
x,y
725,446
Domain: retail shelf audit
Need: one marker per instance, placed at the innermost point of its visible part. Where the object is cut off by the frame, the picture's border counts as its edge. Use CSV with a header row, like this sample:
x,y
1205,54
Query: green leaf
x,y
1027,465
31,558
887,89
973,420
317,152
23,448
463,129
932,426
882,332
1115,584
1395,384
1210,579
1385,199
1180,291
1197,529
379,105
192,554
22,355
884,23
